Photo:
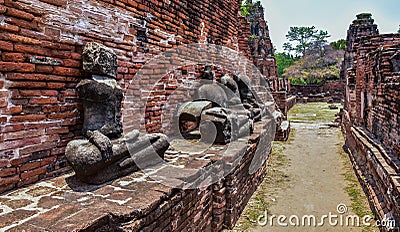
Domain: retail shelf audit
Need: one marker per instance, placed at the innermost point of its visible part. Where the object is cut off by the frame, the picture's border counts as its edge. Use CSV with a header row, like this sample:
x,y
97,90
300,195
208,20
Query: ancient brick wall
x,y
375,104
261,48
41,43
152,200
371,121
363,25
377,90
330,89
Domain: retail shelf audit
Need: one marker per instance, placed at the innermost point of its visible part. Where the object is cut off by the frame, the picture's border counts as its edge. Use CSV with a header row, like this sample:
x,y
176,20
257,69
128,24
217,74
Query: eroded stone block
x,y
99,59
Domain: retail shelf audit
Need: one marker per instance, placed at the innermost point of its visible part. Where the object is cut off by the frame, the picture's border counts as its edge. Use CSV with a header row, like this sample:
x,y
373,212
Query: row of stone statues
x,y
227,108
221,111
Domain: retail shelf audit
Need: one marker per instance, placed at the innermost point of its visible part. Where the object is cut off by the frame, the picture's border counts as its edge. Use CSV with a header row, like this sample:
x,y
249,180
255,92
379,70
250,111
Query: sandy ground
x,y
308,179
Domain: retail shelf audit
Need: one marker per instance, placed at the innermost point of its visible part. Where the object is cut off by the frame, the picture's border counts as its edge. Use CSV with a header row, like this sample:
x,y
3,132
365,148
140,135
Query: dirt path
x,y
309,176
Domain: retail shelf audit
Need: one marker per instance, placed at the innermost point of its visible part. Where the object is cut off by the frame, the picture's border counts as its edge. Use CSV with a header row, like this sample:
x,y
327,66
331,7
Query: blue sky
x,y
335,16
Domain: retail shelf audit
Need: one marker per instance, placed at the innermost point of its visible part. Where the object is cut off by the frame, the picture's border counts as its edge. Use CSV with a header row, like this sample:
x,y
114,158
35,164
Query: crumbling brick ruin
x,y
329,91
371,121
41,64
41,46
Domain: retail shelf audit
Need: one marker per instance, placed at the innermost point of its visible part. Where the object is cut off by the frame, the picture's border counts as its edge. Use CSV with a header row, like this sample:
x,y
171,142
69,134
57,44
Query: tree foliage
x,y
398,31
315,69
303,38
339,45
247,6
284,61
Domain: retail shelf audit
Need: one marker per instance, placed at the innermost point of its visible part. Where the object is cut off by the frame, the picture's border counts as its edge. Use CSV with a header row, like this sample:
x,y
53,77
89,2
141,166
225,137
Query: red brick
x,y
28,118
43,69
17,144
54,33
43,101
7,172
13,110
50,93
72,63
66,71
36,50
63,115
51,109
76,56
3,119
2,9
75,10
3,102
28,181
19,39
32,109
34,77
33,173
20,14
62,130
12,128
20,160
9,180
16,67
69,92
6,46
58,151
23,134
38,147
56,2
27,85
41,125
30,166
123,70
47,161
13,57
30,93
31,25
52,85
9,27
4,163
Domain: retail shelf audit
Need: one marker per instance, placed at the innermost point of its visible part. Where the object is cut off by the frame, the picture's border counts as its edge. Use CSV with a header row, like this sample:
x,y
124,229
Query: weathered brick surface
x,y
37,99
371,120
334,90
138,203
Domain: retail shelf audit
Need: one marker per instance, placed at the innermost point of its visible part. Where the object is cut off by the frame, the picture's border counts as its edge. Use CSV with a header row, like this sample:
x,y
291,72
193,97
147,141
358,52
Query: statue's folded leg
x,y
152,154
92,167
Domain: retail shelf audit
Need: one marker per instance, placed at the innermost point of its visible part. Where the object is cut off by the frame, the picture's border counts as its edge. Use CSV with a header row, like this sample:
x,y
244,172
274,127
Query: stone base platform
x,y
194,191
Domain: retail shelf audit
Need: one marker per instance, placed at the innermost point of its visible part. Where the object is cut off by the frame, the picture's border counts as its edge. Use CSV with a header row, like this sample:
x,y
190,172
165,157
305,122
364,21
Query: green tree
x,y
398,31
339,45
302,38
247,7
319,41
283,61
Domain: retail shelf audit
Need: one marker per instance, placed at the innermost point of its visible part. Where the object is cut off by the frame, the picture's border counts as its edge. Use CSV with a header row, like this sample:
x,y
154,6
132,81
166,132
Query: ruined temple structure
x,y
371,121
65,68
261,52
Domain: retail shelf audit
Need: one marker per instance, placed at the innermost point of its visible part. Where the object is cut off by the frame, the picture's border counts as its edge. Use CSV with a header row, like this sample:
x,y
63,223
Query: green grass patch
x,y
313,112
